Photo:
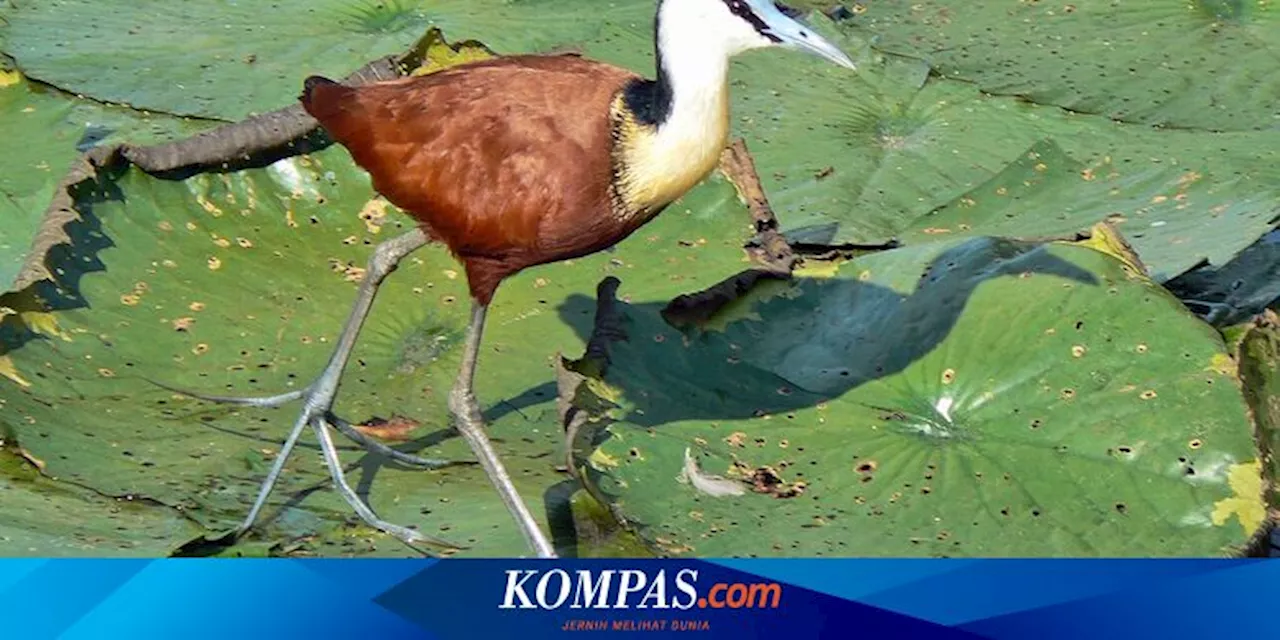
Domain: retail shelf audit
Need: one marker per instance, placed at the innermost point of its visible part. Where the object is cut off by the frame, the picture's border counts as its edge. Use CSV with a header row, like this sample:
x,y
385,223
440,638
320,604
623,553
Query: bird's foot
x,y
313,395
317,399
317,403
470,424
409,536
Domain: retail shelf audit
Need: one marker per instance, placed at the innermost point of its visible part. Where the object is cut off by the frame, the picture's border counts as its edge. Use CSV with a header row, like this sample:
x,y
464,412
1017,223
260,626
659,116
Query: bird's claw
x,y
345,427
316,413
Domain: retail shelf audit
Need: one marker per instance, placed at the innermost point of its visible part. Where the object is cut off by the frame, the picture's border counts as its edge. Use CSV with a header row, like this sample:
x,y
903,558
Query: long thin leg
x,y
277,467
318,396
462,402
384,260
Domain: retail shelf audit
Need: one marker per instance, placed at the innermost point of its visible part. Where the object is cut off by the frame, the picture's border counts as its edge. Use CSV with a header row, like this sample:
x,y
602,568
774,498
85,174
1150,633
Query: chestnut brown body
x,y
509,162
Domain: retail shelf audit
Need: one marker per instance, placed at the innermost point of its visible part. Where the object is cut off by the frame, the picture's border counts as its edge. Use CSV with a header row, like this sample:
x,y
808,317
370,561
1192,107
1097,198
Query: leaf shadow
x,y
68,263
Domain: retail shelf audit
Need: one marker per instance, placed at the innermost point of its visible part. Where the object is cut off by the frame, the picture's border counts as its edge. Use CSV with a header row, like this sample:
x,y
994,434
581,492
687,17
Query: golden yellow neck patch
x,y
656,164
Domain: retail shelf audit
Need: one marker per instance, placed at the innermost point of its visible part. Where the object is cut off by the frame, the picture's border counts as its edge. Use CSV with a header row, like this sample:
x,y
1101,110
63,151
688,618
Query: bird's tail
x,y
335,106
315,91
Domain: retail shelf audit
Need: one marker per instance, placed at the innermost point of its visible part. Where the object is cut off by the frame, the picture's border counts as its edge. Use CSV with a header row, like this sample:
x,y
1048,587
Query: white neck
x,y
693,63
693,128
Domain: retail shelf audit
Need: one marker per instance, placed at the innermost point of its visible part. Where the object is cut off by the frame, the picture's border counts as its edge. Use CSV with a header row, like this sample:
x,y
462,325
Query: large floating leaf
x,y
229,59
43,132
44,518
1014,400
855,157
862,157
1201,63
847,157
1175,219
239,283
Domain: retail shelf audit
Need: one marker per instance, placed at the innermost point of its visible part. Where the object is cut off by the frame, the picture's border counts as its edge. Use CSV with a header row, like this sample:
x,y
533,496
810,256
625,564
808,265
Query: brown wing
x,y
492,157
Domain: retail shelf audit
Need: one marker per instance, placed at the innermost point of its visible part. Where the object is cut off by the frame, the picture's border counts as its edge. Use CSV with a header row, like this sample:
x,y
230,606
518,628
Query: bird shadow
x,y
815,340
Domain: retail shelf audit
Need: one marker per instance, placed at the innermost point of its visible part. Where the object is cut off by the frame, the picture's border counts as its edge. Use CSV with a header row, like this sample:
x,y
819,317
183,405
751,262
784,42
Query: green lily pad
x,y
862,157
855,157
1175,219
1206,64
228,60
51,519
968,398
238,284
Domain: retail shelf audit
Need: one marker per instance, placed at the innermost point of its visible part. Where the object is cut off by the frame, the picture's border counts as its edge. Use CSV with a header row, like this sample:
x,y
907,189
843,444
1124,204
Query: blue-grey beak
x,y
793,34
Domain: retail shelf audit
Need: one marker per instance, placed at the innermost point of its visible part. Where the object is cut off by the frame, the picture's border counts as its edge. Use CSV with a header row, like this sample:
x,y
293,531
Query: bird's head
x,y
736,26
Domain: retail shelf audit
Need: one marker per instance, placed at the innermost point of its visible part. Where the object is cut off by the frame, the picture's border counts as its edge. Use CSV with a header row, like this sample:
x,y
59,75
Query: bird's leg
x,y
319,395
318,398
470,423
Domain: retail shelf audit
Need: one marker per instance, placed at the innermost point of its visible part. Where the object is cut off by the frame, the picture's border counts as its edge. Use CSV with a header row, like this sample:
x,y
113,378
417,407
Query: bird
x,y
523,160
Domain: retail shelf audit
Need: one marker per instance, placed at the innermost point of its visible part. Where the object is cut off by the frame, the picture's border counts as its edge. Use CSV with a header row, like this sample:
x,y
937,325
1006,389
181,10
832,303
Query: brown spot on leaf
x,y
767,480
396,429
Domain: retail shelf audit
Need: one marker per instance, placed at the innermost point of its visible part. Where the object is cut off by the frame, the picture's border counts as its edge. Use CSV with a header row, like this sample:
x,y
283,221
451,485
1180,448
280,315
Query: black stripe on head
x,y
743,10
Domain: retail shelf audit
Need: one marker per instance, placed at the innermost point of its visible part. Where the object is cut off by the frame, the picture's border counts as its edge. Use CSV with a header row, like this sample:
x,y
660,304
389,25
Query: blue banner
x,y
527,599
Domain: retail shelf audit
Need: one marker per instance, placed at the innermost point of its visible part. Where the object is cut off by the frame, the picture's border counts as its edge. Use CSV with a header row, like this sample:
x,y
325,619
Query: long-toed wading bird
x,y
524,160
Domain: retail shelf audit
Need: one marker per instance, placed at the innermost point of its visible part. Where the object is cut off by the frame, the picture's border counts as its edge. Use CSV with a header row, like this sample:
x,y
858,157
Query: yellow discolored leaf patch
x,y
1104,237
10,78
1223,364
819,269
10,371
45,324
1246,504
374,215
435,53
599,460
603,390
